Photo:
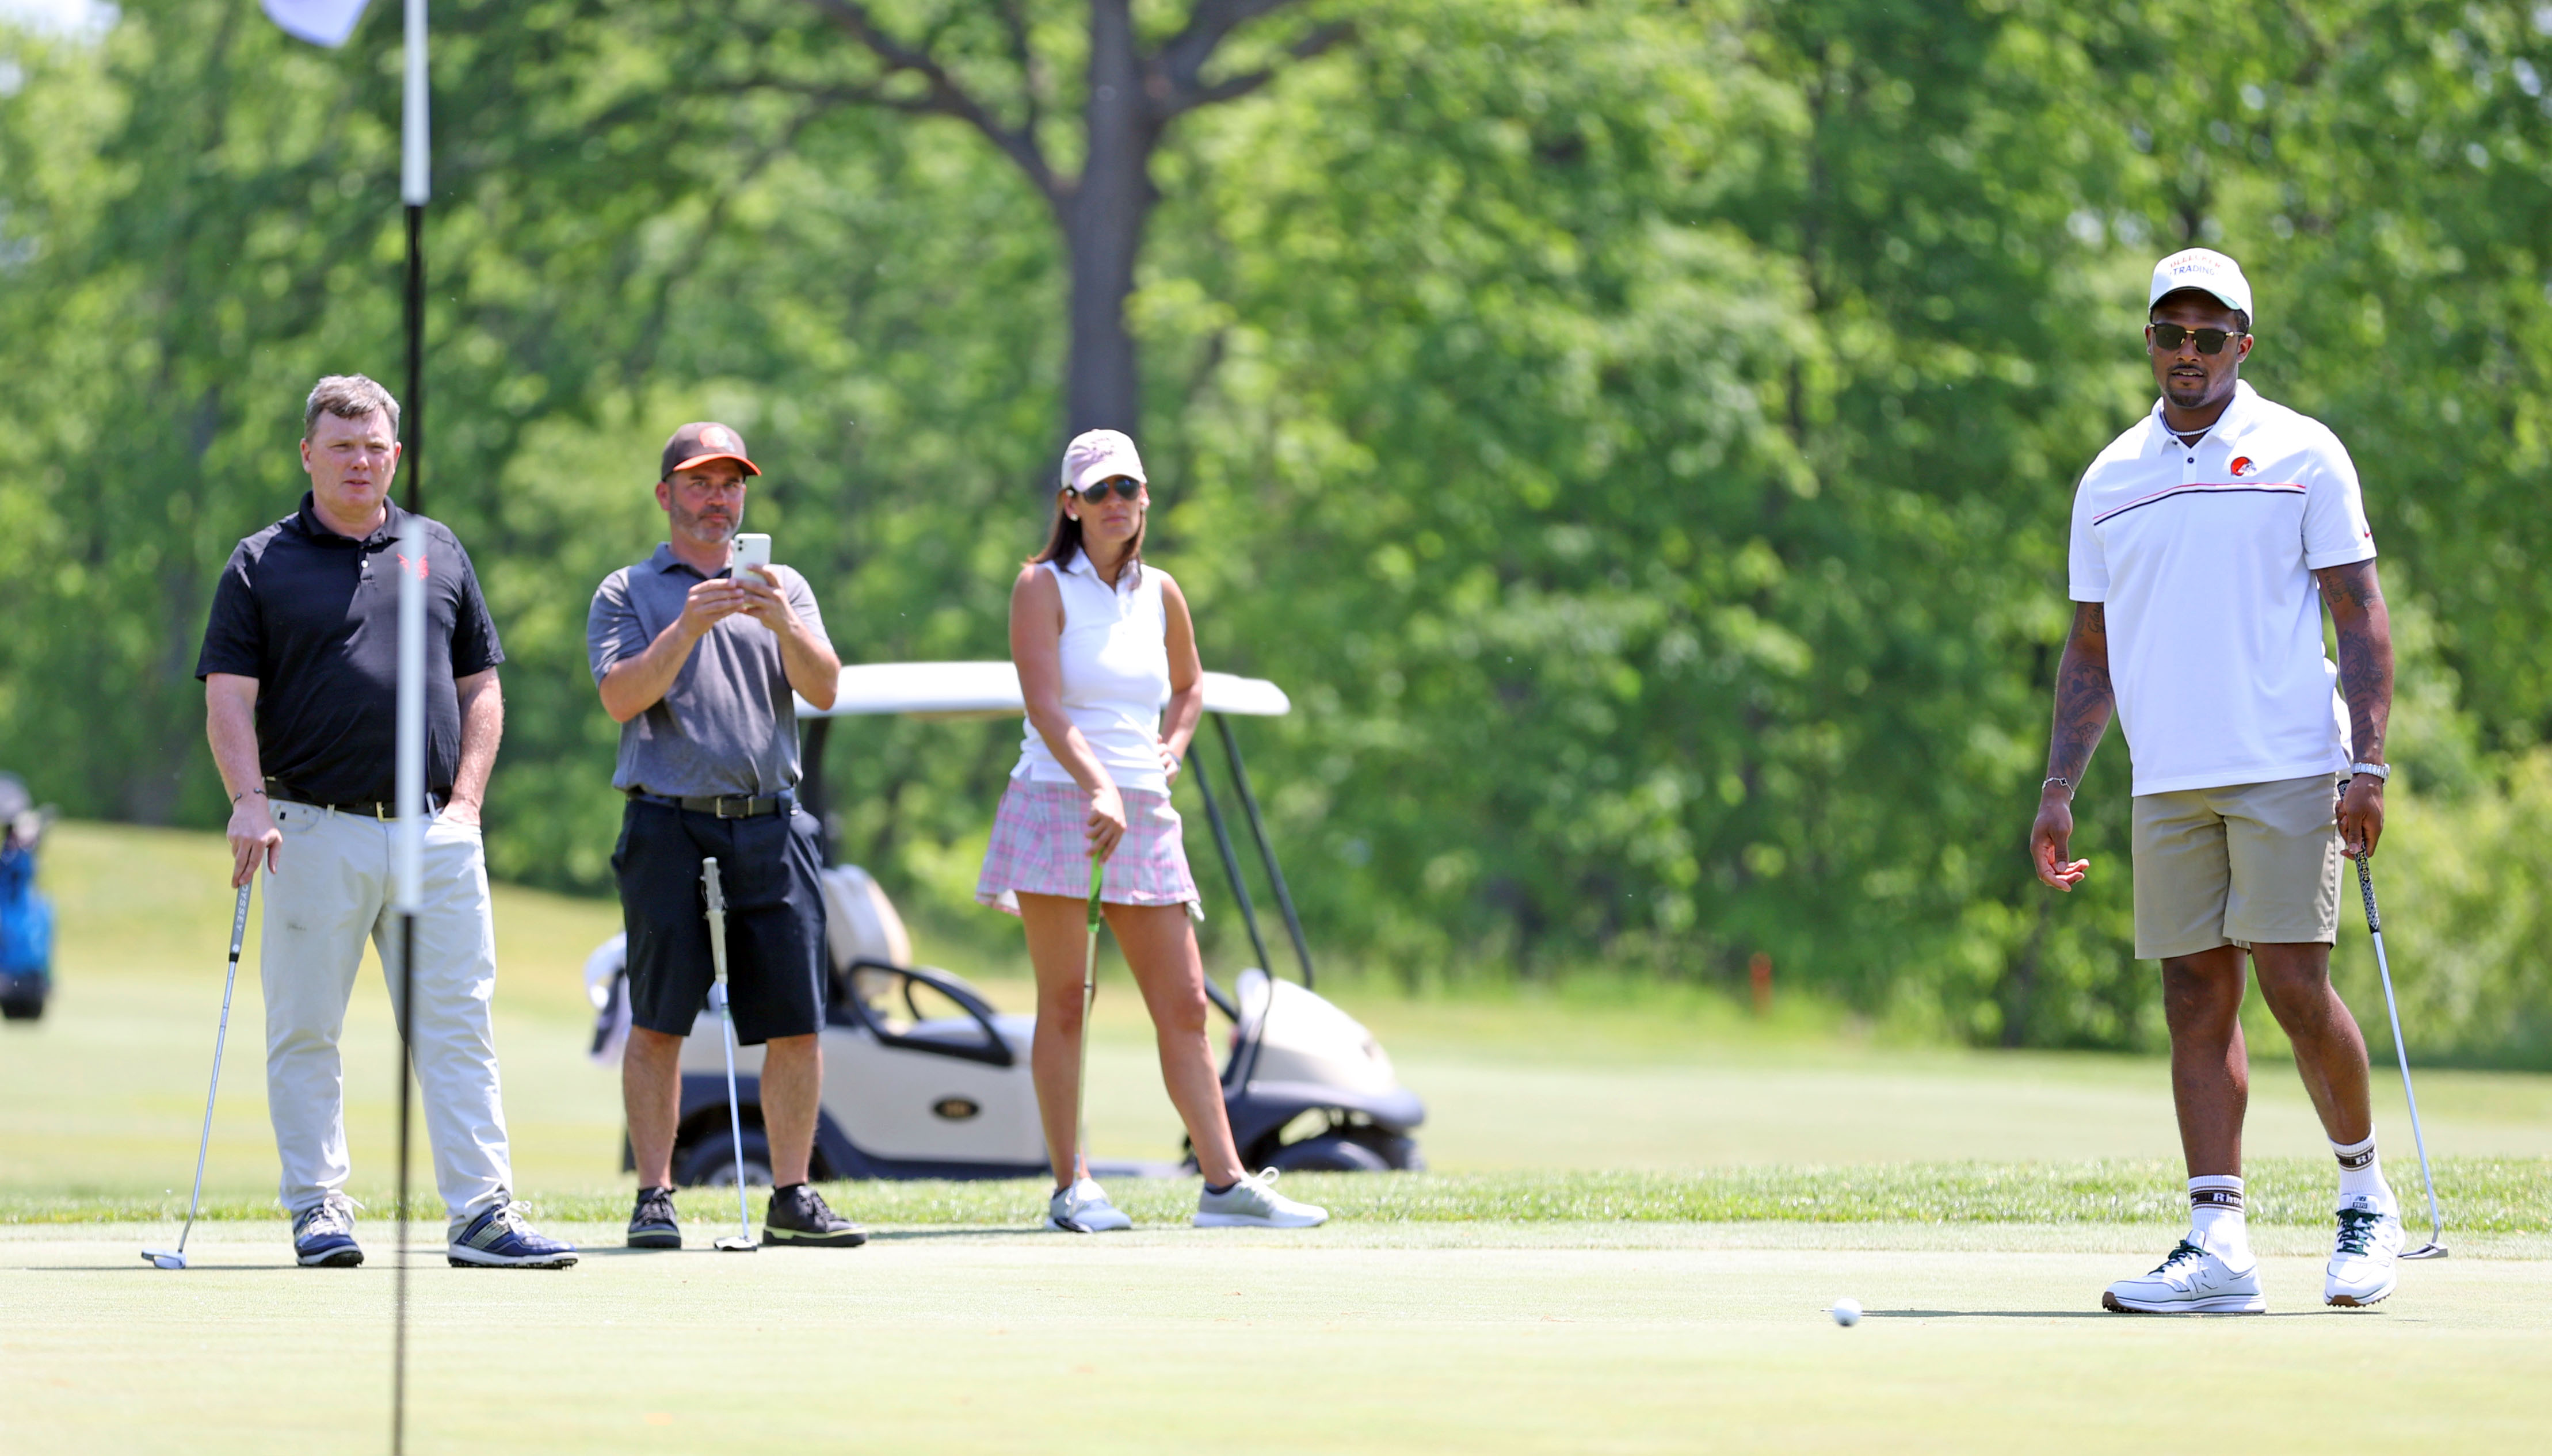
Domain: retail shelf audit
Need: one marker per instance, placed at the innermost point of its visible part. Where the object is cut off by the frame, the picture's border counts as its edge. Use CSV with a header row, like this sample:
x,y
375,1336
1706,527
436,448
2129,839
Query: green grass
x,y
2482,1195
1544,1103
1643,1201
1372,1338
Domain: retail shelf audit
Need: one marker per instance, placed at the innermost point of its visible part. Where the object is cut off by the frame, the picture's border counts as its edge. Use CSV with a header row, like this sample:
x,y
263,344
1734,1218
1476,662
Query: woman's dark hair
x,y
1064,540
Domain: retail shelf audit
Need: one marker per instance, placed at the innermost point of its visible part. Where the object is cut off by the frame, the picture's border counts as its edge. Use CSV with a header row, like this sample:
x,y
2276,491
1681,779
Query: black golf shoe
x,y
653,1225
798,1216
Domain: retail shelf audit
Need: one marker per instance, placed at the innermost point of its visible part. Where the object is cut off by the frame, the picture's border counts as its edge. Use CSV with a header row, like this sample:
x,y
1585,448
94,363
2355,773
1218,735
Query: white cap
x,y
2207,271
1100,455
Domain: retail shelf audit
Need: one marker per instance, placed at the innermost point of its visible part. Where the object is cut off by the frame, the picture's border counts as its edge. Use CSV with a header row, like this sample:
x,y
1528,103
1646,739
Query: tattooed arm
x,y
2084,703
2355,602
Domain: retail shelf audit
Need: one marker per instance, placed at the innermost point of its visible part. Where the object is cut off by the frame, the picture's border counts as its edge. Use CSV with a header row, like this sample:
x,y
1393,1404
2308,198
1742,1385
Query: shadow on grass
x,y
148,1269
2074,1314
901,1235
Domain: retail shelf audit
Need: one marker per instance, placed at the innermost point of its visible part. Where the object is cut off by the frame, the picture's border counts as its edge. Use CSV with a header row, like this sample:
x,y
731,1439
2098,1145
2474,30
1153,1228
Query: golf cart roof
x,y
992,691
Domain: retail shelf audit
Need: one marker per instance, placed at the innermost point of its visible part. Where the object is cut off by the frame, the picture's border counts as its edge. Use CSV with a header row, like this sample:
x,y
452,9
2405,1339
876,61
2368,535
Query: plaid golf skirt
x,y
1041,845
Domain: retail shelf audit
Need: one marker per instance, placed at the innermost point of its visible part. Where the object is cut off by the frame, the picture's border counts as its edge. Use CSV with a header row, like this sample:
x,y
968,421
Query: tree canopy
x,y
1638,434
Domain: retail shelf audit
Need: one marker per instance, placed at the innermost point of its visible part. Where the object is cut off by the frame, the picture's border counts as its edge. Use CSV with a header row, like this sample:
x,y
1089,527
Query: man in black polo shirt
x,y
300,671
697,664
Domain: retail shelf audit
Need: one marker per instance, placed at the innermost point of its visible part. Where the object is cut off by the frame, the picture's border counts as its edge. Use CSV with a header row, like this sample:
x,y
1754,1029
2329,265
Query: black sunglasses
x,y
1126,486
2167,338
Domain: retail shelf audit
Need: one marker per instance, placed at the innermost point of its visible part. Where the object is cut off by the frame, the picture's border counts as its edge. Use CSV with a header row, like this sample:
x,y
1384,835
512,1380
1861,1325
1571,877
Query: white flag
x,y
320,22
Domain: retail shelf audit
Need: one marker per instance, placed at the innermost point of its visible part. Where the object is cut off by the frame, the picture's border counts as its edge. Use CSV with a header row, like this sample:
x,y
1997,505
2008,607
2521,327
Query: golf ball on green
x,y
1845,1312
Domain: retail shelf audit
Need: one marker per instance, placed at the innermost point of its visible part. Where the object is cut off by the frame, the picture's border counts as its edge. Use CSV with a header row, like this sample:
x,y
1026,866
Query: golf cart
x,y
925,1078
25,915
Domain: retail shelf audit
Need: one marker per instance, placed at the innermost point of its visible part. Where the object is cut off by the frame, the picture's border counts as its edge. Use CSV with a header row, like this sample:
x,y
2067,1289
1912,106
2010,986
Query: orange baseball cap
x,y
696,443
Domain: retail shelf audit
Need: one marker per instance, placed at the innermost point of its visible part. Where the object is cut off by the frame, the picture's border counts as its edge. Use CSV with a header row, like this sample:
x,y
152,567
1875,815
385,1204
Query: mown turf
x,y
1357,1338
2480,1194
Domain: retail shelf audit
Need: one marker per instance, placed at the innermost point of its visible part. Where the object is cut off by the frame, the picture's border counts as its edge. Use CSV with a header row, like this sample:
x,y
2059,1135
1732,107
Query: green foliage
x,y
1638,435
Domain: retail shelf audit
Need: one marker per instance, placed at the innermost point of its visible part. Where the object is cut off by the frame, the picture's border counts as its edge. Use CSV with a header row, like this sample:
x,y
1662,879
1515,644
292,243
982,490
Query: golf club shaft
x,y
726,1036
1089,1000
221,1032
2401,1049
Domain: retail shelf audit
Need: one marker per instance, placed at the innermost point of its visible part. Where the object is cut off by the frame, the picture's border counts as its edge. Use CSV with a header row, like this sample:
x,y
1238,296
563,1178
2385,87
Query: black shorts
x,y
774,919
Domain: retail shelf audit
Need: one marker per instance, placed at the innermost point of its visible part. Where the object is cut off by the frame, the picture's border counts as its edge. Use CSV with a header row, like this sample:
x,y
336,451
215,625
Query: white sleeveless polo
x,y
1116,661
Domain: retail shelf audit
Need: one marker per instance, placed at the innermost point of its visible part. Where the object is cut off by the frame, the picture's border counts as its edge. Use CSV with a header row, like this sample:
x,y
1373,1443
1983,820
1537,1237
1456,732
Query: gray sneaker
x,y
1253,1203
1084,1209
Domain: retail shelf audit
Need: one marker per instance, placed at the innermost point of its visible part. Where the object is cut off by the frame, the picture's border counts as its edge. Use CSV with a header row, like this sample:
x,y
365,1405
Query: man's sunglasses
x,y
1126,486
2169,337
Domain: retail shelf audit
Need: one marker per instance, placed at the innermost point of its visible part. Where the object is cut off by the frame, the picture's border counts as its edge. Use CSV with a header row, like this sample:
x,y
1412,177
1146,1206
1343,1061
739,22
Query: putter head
x,y
163,1259
736,1244
2428,1251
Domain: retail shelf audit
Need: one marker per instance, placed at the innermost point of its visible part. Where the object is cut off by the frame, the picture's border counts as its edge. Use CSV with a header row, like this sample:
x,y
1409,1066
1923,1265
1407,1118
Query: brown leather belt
x,y
724,806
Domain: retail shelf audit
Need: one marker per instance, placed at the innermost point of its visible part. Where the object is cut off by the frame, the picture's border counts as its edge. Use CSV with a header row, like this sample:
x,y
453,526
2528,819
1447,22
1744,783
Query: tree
x,y
1132,95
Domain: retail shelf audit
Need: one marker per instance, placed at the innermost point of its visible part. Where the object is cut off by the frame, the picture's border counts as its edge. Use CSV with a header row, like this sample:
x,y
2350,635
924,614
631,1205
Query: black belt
x,y
369,808
724,806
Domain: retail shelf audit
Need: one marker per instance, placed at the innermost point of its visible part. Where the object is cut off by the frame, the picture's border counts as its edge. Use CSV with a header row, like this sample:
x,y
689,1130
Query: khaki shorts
x,y
2245,864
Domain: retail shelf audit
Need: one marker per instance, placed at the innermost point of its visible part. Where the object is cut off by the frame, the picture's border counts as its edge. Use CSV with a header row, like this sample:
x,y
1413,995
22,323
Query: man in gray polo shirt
x,y
698,663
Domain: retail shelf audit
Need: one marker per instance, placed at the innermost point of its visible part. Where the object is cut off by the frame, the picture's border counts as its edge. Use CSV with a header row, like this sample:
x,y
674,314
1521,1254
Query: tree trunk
x,y
172,716
1102,229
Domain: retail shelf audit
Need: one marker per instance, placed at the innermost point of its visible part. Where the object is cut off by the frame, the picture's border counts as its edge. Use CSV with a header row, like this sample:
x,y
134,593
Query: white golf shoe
x,y
2191,1281
2365,1260
1253,1203
1084,1209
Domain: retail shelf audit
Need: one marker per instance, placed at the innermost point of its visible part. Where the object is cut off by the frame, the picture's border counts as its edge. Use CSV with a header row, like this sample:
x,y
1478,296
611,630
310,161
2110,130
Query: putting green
x,y
1575,1338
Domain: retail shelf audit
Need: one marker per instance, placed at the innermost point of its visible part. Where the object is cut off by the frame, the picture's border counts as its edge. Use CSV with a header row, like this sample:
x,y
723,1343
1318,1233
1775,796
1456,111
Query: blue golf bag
x,y
26,916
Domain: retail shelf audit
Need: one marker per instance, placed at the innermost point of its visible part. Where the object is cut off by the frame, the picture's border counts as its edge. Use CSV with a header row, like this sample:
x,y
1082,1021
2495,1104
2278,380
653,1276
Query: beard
x,y
2186,392
715,530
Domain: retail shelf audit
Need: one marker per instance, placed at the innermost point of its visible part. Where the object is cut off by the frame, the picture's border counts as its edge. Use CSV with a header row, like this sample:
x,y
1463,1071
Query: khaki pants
x,y
2242,865
333,890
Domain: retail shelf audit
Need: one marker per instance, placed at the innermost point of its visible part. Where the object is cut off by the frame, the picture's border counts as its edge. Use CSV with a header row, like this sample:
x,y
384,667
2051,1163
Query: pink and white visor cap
x,y
2207,271
1100,455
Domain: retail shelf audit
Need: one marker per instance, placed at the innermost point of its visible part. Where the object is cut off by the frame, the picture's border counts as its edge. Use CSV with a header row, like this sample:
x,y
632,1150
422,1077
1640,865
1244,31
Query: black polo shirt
x,y
313,617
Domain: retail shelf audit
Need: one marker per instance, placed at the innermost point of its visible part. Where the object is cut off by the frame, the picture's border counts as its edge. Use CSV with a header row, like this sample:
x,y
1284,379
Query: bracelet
x,y
245,793
2057,779
2376,772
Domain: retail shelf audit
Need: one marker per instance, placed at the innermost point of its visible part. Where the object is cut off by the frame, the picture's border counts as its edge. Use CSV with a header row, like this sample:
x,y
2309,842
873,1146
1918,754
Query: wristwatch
x,y
2376,772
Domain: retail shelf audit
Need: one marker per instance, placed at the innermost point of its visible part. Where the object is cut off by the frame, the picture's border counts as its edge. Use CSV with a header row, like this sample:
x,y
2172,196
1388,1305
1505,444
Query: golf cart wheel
x,y
1348,1150
711,1161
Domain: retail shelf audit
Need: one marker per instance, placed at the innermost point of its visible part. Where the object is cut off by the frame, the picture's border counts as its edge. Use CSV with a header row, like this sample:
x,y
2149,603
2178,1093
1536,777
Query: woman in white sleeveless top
x,y
1101,642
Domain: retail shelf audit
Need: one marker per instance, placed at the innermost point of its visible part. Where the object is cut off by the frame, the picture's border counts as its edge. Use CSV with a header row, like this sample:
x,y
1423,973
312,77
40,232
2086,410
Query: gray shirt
x,y
729,724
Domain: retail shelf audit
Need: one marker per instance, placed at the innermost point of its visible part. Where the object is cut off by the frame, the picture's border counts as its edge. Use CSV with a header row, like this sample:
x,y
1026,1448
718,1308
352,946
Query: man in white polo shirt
x,y
2207,542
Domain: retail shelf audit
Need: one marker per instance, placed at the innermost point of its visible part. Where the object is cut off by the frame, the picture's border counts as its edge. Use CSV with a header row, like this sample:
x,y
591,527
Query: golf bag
x,y
26,916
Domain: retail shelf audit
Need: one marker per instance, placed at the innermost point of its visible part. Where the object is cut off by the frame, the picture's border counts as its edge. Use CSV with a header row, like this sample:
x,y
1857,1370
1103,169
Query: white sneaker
x,y
1253,1203
2189,1282
2364,1258
1084,1209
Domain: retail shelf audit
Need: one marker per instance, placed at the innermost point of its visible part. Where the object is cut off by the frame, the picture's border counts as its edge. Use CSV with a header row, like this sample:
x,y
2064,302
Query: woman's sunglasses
x,y
2167,338
1126,486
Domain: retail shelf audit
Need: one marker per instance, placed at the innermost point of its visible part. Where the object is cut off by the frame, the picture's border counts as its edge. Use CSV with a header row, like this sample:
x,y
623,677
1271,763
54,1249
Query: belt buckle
x,y
724,799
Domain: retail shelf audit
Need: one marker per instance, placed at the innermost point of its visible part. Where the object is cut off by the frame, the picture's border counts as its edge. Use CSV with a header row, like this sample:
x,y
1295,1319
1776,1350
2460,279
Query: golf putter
x,y
177,1258
1088,999
741,1241
2435,1247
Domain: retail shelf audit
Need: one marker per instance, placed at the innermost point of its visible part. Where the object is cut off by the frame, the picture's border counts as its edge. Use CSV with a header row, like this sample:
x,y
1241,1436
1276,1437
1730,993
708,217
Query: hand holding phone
x,y
753,554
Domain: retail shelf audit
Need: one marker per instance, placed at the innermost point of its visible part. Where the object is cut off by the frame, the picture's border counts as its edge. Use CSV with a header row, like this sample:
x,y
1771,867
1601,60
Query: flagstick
x,y
414,191
415,443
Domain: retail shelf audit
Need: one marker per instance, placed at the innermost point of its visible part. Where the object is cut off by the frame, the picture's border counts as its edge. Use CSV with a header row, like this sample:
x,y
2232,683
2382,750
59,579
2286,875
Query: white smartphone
x,y
753,553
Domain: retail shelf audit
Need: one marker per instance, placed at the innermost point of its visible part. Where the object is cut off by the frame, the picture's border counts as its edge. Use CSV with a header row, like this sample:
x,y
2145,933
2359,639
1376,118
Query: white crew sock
x,y
2216,1218
2361,1174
